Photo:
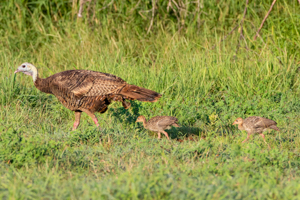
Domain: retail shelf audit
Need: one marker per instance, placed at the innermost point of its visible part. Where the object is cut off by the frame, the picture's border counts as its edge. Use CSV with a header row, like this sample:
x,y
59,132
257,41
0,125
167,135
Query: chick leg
x,y
263,136
166,134
248,137
77,120
159,135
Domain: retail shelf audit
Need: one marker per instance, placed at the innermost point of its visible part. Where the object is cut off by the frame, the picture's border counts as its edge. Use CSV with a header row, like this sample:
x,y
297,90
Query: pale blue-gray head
x,y
28,69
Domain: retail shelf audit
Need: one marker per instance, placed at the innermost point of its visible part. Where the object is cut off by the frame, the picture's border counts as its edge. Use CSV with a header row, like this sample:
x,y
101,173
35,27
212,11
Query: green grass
x,y
206,88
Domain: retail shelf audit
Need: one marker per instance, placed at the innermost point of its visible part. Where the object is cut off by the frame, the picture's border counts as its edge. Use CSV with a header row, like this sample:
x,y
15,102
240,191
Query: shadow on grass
x,y
124,115
186,133
196,133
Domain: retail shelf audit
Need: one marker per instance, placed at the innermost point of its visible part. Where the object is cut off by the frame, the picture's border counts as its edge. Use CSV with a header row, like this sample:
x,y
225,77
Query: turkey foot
x,y
96,122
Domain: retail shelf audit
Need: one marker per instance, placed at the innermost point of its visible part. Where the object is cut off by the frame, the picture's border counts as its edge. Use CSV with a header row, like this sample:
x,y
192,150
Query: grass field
x,y
205,83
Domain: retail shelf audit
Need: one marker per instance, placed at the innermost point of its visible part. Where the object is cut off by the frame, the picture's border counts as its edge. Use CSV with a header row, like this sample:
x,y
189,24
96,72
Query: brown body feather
x,y
256,124
94,91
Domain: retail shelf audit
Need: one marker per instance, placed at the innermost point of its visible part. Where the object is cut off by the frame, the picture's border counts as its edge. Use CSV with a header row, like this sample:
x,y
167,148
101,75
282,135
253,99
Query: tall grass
x,y
206,83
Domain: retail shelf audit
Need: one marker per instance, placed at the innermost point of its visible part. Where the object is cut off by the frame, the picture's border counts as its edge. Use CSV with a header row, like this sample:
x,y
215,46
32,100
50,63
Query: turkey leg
x,y
93,116
263,136
77,120
166,134
159,135
248,137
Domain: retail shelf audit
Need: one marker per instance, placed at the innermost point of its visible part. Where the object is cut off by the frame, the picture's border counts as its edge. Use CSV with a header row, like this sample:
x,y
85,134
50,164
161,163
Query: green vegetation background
x,y
175,48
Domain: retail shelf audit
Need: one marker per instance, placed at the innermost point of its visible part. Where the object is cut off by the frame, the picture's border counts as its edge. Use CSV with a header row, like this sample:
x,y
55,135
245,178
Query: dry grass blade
x,y
241,28
262,23
152,18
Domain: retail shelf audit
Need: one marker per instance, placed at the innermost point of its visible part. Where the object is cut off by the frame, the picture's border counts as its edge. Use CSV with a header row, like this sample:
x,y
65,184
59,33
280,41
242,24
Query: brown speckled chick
x,y
255,125
159,124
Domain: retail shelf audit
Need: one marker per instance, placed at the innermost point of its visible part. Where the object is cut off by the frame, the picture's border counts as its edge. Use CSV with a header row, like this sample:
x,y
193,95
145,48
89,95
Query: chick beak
x,y
17,71
233,123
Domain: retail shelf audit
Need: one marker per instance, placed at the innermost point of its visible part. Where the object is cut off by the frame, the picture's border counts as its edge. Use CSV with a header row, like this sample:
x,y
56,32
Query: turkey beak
x,y
17,71
233,123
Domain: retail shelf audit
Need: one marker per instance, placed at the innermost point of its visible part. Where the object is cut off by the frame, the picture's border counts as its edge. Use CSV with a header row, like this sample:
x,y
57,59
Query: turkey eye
x,y
236,120
23,66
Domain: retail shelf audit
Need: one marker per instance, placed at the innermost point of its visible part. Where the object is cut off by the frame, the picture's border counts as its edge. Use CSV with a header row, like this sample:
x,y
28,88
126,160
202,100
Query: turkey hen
x,y
88,91
159,124
254,125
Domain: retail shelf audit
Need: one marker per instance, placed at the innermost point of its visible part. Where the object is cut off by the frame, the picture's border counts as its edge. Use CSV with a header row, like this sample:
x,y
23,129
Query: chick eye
x,y
236,120
23,66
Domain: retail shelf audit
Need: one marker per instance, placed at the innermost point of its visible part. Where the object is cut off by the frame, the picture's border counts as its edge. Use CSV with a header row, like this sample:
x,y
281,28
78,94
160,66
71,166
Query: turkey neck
x,y
144,122
241,127
42,85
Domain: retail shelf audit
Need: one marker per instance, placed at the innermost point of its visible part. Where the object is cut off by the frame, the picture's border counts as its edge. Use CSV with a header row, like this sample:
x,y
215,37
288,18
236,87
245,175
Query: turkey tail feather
x,y
274,127
139,93
176,125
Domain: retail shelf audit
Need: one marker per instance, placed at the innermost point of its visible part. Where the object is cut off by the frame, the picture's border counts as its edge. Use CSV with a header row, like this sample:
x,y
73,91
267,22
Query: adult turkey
x,y
254,125
88,91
